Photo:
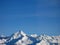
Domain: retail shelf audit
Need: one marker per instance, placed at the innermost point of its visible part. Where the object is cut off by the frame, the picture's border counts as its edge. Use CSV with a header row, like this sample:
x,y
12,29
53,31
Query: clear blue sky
x,y
31,16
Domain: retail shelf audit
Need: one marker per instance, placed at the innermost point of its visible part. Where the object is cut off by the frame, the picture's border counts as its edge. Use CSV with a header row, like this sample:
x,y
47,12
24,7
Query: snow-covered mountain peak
x,y
45,36
34,35
18,34
20,38
22,33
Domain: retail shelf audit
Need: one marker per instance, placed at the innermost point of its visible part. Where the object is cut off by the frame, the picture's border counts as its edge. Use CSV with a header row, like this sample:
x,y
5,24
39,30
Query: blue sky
x,y
31,16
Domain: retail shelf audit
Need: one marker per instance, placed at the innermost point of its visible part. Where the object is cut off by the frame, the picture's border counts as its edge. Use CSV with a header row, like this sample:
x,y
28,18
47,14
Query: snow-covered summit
x,y
34,35
17,35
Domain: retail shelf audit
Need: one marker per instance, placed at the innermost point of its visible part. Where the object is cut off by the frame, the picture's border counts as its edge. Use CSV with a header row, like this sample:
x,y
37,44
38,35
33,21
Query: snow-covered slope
x,y
20,38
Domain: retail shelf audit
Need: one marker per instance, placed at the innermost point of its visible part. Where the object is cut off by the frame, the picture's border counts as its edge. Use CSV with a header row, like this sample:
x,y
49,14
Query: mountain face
x,y
20,38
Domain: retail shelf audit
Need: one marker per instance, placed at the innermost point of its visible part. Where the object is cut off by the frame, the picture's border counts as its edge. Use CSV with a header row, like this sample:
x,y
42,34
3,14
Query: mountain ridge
x,y
20,38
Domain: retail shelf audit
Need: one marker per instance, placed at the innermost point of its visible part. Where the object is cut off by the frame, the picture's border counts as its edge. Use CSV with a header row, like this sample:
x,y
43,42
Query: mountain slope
x,y
20,38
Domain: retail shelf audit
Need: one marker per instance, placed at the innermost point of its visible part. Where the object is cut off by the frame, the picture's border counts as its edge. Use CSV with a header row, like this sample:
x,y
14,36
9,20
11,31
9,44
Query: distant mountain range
x,y
20,38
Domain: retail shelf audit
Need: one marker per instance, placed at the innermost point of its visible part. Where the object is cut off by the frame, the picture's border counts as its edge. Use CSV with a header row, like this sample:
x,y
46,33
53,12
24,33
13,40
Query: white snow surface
x,y
20,38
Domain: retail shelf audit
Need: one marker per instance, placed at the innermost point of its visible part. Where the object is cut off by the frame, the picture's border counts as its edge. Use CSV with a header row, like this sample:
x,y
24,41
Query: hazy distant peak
x,y
2,36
